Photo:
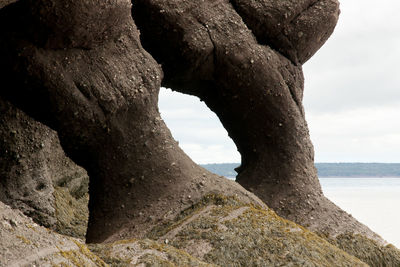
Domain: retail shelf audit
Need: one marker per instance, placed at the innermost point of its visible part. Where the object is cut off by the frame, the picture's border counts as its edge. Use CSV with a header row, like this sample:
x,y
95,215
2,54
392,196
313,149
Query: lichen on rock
x,y
147,252
25,243
240,234
71,213
368,250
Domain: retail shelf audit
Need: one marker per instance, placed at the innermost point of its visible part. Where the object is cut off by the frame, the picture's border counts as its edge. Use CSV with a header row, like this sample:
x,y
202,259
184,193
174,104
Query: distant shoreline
x,y
327,170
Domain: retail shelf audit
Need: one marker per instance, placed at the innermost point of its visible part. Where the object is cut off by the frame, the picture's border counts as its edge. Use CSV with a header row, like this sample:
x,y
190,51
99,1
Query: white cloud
x,y
211,154
358,66
352,86
198,130
360,135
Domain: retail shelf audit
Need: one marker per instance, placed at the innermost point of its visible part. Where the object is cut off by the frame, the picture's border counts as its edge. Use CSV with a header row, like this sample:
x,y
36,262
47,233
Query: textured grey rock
x,y
32,165
25,243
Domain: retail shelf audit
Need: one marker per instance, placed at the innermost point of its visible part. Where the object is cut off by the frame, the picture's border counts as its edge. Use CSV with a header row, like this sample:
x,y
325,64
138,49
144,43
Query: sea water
x,y
372,201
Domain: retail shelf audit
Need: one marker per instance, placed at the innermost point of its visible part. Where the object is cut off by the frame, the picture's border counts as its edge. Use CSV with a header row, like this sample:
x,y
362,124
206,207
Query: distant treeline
x,y
326,169
358,169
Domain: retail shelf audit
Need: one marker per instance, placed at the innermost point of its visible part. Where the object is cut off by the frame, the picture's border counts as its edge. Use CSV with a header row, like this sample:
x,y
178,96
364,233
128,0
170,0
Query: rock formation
x,y
87,77
243,59
37,178
221,231
79,67
225,232
25,243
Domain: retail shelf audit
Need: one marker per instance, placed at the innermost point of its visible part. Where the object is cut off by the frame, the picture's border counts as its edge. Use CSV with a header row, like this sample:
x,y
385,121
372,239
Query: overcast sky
x,y
352,95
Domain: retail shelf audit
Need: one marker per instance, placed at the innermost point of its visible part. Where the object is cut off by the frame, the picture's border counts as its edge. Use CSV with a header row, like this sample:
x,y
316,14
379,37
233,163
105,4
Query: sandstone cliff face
x,y
79,67
36,176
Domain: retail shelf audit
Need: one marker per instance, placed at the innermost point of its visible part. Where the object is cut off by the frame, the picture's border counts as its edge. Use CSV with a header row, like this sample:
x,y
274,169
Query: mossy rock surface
x,y
144,253
369,251
224,231
217,231
71,213
25,243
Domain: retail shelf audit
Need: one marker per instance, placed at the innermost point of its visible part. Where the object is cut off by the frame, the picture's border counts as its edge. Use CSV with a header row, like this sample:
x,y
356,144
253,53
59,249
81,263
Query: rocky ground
x,y
25,243
218,231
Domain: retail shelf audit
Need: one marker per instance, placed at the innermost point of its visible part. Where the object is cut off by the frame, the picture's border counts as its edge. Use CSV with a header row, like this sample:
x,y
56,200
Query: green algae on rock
x,y
225,231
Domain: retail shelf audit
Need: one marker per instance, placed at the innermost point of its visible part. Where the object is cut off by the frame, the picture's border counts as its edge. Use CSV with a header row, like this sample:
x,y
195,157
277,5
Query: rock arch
x,y
101,98
243,58
79,67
